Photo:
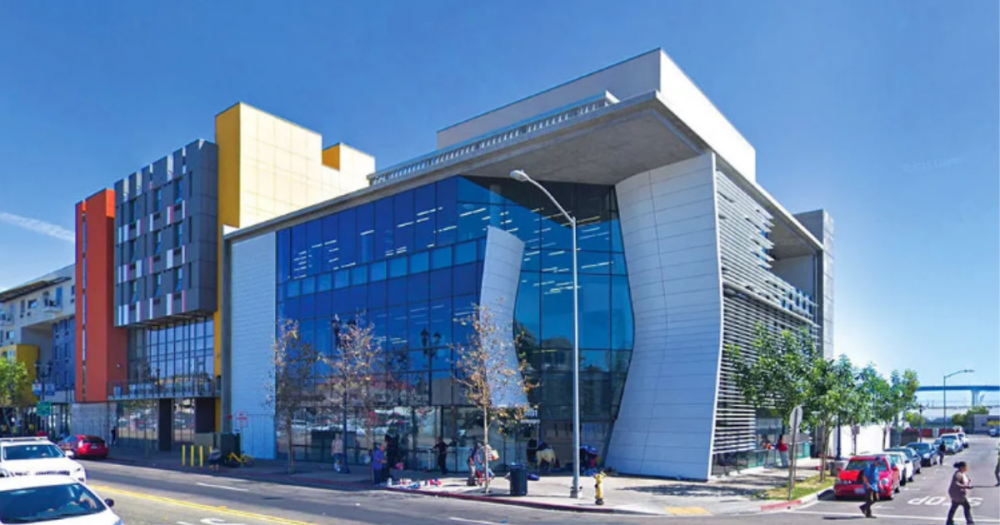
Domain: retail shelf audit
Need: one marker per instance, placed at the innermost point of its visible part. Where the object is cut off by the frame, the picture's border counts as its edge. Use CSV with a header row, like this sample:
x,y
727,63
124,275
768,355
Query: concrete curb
x,y
785,505
285,480
521,503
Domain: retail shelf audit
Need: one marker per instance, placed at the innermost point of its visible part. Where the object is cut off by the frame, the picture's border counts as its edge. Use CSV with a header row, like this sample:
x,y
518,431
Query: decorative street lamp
x,y
521,176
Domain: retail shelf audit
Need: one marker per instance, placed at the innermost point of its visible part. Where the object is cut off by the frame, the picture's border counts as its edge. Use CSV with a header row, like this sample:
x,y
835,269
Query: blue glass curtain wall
x,y
412,264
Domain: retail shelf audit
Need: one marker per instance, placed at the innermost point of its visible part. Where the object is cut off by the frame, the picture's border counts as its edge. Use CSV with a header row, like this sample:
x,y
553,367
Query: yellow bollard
x,y
201,457
183,455
192,455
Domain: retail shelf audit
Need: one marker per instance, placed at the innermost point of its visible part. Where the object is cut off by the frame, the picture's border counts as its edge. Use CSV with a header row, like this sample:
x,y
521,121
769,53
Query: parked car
x,y
849,485
82,446
915,459
58,499
36,456
901,460
925,451
952,443
964,439
994,431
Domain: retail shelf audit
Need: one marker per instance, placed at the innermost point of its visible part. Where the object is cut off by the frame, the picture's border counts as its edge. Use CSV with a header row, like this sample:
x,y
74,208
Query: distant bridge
x,y
978,392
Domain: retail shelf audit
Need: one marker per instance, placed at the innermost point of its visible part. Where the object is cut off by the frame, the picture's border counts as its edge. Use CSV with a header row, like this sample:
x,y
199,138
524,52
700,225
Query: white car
x,y
36,457
906,474
57,499
964,439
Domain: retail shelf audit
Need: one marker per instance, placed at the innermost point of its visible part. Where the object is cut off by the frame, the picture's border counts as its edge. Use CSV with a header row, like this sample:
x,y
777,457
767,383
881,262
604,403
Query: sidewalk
x,y
623,494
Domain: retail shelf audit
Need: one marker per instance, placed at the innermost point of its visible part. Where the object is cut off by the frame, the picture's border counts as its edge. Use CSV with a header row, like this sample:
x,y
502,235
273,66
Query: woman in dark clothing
x,y
958,491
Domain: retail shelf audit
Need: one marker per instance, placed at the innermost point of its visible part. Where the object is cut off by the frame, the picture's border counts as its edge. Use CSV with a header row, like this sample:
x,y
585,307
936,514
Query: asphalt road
x,y
156,497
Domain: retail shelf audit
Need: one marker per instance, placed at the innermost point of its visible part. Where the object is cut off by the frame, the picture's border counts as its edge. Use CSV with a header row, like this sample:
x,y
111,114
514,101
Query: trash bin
x,y
518,480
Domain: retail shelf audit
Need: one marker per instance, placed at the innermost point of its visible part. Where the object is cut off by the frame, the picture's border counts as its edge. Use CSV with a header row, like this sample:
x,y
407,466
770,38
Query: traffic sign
x,y
241,419
43,409
795,420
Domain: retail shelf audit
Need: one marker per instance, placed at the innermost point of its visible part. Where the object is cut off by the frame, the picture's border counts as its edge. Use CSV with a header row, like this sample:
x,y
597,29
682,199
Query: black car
x,y
925,451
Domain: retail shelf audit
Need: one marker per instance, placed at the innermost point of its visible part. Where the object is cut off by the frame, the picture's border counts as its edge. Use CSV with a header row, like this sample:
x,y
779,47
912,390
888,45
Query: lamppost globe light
x,y
519,175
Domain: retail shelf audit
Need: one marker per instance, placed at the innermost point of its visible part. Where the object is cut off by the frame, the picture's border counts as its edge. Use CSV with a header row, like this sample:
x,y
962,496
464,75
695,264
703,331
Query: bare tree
x,y
491,372
291,386
358,381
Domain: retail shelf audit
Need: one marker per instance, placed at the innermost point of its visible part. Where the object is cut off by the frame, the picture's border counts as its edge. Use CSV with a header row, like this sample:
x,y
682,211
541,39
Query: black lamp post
x,y
42,373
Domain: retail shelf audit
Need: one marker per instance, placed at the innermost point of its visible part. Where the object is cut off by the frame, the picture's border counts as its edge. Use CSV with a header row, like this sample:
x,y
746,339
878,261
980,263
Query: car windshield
x,y
56,502
919,446
949,438
858,464
93,440
38,451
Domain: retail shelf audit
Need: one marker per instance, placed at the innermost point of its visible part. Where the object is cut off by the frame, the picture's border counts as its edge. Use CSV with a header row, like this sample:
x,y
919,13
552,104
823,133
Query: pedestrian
x,y
337,451
215,459
442,455
958,491
869,477
472,462
942,449
996,469
378,464
114,435
783,451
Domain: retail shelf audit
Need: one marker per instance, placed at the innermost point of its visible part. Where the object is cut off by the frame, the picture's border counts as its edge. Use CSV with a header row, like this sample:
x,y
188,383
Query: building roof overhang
x,y
604,146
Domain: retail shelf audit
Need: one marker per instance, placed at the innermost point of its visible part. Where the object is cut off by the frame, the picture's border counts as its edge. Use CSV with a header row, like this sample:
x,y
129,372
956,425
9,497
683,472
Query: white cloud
x,y
37,226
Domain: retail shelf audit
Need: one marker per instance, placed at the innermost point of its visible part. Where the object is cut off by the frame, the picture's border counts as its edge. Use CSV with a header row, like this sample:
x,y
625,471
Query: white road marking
x,y
222,487
890,516
463,520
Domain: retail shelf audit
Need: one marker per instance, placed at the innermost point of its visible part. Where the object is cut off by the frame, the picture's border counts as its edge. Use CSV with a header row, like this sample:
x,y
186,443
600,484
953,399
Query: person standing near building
x,y
114,435
783,451
378,464
442,455
337,450
869,477
958,491
942,449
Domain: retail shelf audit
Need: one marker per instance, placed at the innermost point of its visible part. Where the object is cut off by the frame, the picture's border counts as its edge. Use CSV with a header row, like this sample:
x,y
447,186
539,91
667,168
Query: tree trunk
x,y
825,443
291,452
486,451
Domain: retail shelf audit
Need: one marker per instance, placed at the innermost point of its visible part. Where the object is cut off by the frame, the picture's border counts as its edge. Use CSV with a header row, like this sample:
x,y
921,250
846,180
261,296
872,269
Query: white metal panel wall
x,y
501,275
253,314
669,227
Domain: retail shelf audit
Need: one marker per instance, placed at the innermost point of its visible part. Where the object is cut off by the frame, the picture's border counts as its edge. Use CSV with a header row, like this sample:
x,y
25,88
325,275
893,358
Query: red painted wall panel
x,y
106,348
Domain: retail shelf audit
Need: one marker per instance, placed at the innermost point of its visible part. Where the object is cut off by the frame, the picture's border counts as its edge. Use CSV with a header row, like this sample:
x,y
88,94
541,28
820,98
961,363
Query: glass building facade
x,y
168,361
411,264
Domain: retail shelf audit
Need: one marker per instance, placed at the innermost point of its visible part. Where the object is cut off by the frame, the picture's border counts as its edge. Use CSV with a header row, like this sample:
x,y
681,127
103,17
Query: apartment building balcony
x,y
6,320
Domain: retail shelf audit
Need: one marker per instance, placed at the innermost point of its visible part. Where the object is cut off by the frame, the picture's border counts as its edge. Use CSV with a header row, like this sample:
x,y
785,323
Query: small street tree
x,y
14,389
832,390
291,387
358,383
491,372
774,374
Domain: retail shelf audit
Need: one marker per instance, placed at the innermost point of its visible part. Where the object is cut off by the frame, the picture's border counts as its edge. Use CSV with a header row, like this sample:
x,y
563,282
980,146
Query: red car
x,y
85,447
848,483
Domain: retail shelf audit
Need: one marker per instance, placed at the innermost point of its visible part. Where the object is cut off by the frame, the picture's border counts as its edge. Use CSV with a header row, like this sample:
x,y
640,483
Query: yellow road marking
x,y
687,511
197,506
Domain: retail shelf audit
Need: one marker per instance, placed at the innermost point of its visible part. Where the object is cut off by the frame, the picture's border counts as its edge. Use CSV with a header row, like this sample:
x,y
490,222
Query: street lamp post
x,y
574,492
944,393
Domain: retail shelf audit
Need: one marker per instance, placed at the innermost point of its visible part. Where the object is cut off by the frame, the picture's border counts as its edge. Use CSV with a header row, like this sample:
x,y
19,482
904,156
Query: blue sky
x,y
885,113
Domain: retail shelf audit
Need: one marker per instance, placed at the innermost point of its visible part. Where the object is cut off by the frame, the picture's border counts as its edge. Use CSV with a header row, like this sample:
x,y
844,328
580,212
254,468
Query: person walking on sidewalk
x,y
959,492
783,451
869,477
996,469
442,455
942,448
114,435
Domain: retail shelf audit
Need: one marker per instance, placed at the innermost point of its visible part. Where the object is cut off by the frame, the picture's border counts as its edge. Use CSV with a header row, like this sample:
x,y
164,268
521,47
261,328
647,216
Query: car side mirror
x,y
70,454
109,502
